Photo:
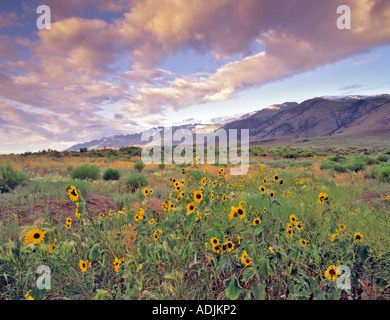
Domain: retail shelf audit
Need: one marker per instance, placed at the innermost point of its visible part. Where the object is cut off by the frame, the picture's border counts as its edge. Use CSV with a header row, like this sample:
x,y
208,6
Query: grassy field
x,y
282,231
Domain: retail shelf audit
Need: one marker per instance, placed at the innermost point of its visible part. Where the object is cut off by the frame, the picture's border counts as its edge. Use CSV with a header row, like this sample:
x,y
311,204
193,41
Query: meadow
x,y
109,227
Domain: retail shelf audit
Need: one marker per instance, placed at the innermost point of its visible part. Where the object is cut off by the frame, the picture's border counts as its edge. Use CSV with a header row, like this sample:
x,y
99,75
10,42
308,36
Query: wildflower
x,y
262,189
198,196
30,298
146,192
101,215
214,241
276,178
271,194
331,273
117,263
293,218
229,245
151,191
358,237
190,207
272,250
341,227
151,221
245,259
83,266
72,193
35,236
299,225
241,212
136,217
322,197
265,210
256,221
51,246
303,242
333,237
224,197
217,248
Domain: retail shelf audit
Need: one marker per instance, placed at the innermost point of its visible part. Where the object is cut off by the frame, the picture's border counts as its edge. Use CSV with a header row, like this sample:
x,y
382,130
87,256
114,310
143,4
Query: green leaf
x,y
188,250
258,291
319,294
263,264
334,294
233,289
257,229
189,221
248,274
94,252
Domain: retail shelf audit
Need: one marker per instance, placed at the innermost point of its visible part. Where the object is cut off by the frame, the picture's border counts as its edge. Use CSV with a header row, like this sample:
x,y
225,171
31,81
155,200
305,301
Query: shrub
x,y
381,172
383,157
111,174
83,150
86,171
367,160
135,181
357,165
338,159
9,178
139,166
161,166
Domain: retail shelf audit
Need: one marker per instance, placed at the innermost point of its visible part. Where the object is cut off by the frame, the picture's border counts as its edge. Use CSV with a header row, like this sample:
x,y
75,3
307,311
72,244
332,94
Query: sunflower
x,y
151,191
322,197
72,193
214,241
271,194
177,188
256,221
68,225
83,266
229,245
136,217
117,263
146,192
245,259
341,227
224,248
151,221
224,197
299,225
358,237
217,248
155,235
289,232
198,197
303,242
281,181
35,236
101,215
272,250
241,212
68,220
190,207
221,170
293,218
265,181
331,273
276,178
265,210
262,189
51,246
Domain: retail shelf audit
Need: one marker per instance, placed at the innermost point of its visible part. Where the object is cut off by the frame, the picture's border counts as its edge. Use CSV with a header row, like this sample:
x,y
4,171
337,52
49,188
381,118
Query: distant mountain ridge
x,y
317,117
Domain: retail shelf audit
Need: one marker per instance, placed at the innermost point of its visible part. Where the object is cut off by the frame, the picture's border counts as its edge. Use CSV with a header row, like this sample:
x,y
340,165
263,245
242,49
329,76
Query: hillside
x,y
355,117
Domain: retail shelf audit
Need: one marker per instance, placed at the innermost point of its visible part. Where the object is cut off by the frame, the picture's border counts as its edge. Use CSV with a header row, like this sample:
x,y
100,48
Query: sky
x,y
123,66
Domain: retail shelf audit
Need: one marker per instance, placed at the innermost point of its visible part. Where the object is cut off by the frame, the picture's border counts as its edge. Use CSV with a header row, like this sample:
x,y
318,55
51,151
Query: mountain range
x,y
346,116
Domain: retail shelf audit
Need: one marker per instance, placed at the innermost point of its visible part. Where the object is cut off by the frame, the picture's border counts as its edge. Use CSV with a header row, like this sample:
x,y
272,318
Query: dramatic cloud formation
x,y
87,73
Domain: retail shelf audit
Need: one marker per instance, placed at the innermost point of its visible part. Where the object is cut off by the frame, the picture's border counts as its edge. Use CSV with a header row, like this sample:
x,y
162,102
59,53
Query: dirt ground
x,y
33,212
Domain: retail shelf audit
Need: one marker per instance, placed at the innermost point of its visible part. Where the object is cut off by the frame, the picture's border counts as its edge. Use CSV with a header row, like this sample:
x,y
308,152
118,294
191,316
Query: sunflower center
x,y
36,235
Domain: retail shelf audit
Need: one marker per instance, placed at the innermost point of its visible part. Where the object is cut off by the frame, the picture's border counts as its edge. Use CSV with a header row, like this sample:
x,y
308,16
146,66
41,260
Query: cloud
x,y
83,64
